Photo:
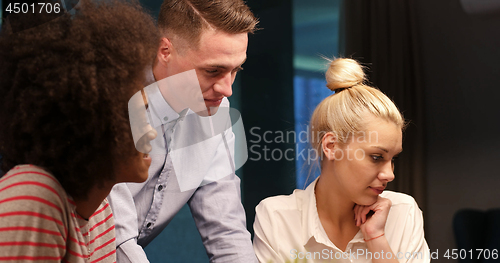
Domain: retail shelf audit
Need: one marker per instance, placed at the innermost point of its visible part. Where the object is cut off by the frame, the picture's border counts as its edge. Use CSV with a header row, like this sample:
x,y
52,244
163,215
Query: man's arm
x,y
124,212
220,218
219,214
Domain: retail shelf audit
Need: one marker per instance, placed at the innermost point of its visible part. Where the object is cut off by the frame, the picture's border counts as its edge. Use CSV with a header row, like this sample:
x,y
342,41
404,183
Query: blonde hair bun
x,y
344,73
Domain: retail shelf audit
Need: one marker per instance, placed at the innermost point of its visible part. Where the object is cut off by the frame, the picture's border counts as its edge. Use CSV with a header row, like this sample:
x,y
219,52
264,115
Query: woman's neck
x,y
335,212
331,203
86,207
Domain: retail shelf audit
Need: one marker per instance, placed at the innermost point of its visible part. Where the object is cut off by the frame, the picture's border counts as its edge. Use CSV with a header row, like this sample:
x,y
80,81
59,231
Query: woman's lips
x,y
147,159
377,190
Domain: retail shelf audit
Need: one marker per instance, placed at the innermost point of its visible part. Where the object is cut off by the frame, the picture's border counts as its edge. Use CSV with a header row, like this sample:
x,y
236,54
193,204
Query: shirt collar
x,y
313,227
161,112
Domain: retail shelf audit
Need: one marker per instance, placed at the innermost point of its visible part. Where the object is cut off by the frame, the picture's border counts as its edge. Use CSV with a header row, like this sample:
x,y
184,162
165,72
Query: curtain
x,y
382,35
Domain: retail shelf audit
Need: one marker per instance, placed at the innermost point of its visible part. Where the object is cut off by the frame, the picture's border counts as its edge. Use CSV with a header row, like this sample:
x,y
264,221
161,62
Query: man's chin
x,y
212,110
207,111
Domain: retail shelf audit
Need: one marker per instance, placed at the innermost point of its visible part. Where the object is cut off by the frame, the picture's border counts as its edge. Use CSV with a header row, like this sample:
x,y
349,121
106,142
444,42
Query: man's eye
x,y
211,71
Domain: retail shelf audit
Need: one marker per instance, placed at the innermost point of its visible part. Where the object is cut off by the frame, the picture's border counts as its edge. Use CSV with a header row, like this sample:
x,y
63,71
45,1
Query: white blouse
x,y
288,229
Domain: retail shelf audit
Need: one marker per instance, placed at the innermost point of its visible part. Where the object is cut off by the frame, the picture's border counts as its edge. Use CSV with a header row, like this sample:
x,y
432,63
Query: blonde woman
x,y
346,215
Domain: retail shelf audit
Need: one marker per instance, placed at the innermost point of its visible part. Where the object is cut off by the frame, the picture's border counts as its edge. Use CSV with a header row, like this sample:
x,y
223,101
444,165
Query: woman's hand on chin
x,y
371,219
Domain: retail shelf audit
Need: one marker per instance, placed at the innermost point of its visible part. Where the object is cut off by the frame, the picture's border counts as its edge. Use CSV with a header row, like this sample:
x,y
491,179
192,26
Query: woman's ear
x,y
328,145
164,51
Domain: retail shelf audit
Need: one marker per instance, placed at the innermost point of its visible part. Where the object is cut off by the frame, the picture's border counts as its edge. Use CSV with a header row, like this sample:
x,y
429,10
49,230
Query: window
x,y
316,36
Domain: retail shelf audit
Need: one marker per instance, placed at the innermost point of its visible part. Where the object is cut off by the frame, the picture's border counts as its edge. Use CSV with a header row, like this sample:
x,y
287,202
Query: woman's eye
x,y
377,157
393,160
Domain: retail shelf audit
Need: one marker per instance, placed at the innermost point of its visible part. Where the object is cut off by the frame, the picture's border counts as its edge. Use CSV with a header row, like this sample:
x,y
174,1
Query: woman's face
x,y
135,169
363,167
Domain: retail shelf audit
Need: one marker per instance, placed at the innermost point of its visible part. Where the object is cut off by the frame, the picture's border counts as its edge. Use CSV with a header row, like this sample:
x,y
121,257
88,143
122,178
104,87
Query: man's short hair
x,y
186,19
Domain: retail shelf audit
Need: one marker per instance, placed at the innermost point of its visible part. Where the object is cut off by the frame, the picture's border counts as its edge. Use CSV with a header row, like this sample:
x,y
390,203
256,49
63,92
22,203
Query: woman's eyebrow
x,y
385,150
381,148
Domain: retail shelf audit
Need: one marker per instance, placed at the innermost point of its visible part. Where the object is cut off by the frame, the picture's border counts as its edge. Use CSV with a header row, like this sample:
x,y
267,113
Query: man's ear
x,y
329,145
164,51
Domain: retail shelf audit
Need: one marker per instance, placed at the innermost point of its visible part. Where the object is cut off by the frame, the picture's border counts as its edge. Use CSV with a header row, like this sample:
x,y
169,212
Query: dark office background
x,y
455,59
454,63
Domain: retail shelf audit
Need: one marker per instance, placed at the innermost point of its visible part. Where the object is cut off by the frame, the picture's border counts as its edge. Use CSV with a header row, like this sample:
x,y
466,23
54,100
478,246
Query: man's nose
x,y
224,85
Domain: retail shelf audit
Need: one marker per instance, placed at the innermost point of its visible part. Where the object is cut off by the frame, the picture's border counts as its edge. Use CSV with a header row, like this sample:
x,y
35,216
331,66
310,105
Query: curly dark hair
x,y
65,86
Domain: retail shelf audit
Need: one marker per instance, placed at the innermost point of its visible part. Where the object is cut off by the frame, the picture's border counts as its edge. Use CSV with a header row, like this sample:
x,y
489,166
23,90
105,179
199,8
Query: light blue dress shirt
x,y
143,210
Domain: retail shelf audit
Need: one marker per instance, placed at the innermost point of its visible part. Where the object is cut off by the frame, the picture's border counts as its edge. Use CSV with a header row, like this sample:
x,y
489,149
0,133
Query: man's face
x,y
216,61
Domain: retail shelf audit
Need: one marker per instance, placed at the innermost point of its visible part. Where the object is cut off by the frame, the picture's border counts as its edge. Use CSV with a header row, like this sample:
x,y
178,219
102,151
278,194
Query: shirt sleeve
x,y
262,243
126,228
130,252
33,220
219,215
417,245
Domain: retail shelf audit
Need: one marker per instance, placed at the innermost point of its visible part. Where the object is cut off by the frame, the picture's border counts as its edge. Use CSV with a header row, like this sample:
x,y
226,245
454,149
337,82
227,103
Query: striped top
x,y
38,222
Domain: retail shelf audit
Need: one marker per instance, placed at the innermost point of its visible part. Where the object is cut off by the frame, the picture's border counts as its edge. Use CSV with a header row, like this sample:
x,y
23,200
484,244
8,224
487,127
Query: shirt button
x,y
165,118
148,225
160,187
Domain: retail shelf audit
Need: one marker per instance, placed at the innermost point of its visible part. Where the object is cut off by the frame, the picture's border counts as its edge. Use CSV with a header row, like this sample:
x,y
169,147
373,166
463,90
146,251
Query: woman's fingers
x,y
365,212
375,224
360,214
357,213
382,206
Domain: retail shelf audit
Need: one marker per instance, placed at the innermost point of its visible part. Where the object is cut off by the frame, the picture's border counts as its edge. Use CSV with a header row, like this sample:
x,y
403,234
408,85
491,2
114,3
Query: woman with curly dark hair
x,y
65,81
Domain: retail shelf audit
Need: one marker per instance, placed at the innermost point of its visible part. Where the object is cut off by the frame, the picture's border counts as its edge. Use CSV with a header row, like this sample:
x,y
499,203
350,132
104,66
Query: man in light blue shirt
x,y
191,163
